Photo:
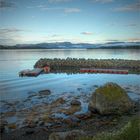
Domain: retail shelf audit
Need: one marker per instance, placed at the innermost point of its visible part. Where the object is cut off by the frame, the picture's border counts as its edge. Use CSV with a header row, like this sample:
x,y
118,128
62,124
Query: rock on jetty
x,y
57,64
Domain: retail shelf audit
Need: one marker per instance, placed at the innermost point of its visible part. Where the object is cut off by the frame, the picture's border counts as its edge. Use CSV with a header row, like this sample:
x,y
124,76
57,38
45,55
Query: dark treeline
x,y
75,64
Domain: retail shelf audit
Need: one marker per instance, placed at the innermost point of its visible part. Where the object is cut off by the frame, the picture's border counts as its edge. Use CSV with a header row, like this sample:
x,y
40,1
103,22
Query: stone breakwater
x,y
74,64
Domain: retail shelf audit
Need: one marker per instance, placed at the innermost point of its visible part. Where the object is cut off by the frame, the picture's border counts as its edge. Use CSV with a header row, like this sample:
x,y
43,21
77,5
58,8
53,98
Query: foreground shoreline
x,y
92,126
41,122
73,65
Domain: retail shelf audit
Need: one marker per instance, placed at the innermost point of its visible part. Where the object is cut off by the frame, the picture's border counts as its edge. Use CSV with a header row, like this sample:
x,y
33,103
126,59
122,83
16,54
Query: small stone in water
x,y
45,92
75,102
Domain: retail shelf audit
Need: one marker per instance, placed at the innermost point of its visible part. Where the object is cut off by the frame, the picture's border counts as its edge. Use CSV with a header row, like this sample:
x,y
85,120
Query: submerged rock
x,y
58,101
75,102
45,92
72,121
3,123
84,116
30,123
12,126
110,99
69,135
71,110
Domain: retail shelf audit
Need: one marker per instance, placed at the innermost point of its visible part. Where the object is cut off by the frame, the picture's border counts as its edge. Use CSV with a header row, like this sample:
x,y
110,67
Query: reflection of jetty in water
x,y
90,70
37,71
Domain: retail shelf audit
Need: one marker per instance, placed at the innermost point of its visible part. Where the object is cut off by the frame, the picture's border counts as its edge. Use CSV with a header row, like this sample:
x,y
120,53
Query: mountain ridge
x,y
69,45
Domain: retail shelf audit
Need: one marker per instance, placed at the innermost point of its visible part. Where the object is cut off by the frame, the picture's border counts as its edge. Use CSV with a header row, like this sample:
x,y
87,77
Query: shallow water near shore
x,y
59,83
18,94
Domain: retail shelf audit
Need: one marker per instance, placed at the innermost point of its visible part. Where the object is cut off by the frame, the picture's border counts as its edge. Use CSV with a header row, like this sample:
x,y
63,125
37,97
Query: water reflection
x,y
31,54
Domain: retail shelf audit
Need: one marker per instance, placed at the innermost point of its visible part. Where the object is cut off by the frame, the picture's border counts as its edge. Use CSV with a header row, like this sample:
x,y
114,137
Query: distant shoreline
x,y
131,48
70,45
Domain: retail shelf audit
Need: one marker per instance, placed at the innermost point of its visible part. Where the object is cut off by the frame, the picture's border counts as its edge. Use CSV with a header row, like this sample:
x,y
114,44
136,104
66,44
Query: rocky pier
x,y
73,65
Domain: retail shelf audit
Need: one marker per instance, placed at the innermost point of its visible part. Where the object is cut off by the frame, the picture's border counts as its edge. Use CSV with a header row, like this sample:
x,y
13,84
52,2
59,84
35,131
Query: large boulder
x,y
69,135
110,99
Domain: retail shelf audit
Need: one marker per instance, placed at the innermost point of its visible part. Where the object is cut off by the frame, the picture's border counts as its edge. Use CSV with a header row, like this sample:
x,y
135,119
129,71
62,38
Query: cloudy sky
x,y
89,21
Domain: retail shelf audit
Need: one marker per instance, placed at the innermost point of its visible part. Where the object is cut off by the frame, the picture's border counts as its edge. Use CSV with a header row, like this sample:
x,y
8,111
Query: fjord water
x,y
13,87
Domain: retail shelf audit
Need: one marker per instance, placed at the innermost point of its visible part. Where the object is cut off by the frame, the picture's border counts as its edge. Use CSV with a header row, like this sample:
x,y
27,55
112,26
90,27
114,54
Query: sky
x,y
76,21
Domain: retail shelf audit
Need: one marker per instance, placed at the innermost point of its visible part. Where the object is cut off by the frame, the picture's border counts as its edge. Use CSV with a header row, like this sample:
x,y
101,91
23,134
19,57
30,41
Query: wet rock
x,y
69,135
95,86
75,102
110,99
137,106
12,126
79,89
72,121
57,102
48,125
33,95
41,123
29,131
10,103
36,121
10,113
60,100
56,126
84,116
31,92
44,92
27,100
3,123
30,123
71,110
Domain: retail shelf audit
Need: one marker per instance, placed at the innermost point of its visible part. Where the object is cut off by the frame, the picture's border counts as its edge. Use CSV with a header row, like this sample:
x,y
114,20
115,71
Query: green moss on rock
x,y
110,99
111,91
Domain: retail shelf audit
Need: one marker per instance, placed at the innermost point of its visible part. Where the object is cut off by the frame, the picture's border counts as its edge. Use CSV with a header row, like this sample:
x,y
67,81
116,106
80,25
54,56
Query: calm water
x,y
13,61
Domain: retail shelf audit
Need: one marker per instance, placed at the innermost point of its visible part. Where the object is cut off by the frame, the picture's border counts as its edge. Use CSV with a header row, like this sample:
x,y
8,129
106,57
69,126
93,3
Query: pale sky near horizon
x,y
86,21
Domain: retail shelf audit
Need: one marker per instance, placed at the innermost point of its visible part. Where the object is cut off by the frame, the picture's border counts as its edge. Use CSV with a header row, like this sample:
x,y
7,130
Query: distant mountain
x,y
69,45
121,45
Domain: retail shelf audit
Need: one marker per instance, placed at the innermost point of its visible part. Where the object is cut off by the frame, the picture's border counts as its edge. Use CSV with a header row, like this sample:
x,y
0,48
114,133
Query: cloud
x,y
112,40
55,35
56,1
9,30
126,25
65,10
103,1
6,4
72,10
129,7
87,33
10,36
134,39
46,8
131,25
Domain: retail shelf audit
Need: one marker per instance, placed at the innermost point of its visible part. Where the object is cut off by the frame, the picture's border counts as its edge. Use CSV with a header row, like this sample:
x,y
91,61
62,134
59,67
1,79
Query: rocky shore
x,y
108,108
73,65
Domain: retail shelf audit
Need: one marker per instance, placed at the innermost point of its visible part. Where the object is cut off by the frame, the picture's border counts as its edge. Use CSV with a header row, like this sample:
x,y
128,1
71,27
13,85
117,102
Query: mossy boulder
x,y
110,99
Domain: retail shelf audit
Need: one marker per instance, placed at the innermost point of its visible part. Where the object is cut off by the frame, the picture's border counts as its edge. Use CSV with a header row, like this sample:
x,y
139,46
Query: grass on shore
x,y
131,131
